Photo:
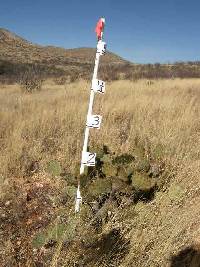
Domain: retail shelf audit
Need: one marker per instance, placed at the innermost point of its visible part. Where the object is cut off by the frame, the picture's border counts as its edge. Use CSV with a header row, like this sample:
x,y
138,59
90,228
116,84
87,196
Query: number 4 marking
x,y
98,86
88,158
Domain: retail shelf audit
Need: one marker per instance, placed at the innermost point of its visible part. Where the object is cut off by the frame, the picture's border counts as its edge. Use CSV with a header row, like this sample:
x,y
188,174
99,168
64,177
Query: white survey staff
x,y
93,121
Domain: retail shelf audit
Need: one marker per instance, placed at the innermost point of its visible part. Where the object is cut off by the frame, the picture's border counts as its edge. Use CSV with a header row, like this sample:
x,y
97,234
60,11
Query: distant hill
x,y
18,54
14,48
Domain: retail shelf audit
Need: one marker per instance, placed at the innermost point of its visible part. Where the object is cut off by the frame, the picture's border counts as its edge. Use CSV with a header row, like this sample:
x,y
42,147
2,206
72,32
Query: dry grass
x,y
163,117
50,124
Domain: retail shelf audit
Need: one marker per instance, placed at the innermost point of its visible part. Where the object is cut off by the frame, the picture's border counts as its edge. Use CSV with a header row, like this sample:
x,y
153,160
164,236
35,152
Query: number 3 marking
x,y
94,121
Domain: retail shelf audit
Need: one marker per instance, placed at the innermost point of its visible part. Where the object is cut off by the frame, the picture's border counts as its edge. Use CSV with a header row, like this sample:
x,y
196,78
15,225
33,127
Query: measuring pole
x,y
93,121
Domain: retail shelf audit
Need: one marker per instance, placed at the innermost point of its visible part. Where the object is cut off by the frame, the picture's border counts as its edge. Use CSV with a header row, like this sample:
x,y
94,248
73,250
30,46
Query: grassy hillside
x,y
17,55
141,202
16,49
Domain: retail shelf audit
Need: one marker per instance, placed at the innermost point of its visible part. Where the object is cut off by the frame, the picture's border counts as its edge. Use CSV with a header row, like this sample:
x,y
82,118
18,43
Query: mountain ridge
x,y
15,48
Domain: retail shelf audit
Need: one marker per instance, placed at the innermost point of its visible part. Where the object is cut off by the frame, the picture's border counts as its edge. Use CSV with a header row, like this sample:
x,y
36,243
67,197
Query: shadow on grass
x,y
188,257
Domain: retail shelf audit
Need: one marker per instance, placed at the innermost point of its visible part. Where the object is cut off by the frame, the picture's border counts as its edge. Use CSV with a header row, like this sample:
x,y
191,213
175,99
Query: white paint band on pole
x,y
78,199
93,121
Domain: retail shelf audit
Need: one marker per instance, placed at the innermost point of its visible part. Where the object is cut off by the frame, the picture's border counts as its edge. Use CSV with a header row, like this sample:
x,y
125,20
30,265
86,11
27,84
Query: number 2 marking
x,y
91,159
88,158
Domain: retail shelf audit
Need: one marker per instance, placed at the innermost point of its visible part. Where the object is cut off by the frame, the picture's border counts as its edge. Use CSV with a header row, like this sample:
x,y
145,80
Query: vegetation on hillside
x,y
18,50
13,72
18,56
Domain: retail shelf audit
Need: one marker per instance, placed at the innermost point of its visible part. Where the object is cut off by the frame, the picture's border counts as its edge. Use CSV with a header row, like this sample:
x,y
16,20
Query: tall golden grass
x,y
50,124
162,116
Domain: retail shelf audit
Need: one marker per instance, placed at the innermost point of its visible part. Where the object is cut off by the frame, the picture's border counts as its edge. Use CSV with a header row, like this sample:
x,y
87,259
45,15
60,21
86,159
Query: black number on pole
x,y
96,120
101,86
90,159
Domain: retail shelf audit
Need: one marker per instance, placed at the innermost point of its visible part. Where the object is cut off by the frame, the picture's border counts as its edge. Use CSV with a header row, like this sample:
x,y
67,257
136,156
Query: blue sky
x,y
143,31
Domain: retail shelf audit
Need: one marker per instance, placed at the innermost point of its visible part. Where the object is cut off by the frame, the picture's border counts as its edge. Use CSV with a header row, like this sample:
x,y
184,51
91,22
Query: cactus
x,y
123,159
142,165
141,181
124,173
55,232
54,168
176,193
99,187
109,170
71,191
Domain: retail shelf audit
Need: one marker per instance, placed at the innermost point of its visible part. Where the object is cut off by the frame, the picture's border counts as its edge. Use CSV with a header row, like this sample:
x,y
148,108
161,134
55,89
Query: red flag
x,y
99,28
